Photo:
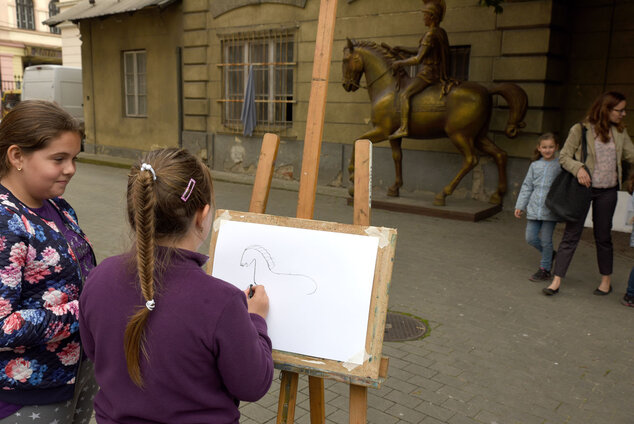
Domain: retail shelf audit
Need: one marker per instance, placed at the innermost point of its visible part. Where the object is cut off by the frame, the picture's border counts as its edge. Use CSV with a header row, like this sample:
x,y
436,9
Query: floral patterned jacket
x,y
40,283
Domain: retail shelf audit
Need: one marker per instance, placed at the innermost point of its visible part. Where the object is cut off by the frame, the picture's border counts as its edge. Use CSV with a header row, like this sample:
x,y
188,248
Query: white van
x,y
59,84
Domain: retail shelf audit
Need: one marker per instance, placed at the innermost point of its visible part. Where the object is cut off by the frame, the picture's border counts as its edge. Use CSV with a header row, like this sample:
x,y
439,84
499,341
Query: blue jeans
x,y
539,234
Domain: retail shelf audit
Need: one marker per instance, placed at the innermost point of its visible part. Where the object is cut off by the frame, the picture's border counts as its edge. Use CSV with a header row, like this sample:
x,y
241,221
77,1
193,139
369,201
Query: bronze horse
x,y
463,114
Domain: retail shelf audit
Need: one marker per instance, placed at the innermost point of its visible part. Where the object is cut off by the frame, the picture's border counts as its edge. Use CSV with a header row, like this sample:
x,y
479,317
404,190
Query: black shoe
x,y
598,292
549,292
628,301
540,275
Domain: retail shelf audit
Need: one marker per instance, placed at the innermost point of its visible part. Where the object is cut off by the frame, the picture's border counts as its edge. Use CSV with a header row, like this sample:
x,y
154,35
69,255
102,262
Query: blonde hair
x,y
157,211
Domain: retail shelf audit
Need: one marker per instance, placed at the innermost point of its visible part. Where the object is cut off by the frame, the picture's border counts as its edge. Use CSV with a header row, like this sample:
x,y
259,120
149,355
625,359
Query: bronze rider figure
x,y
433,53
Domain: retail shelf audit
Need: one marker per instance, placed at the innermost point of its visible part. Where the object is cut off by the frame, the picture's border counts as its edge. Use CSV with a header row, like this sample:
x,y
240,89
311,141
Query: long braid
x,y
159,214
144,201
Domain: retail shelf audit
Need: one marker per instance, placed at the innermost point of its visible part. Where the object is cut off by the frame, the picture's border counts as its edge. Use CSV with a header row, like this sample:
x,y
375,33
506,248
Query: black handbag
x,y
568,199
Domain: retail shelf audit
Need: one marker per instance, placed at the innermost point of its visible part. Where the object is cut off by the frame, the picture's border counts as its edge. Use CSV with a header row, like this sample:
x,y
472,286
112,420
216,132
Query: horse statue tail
x,y
517,100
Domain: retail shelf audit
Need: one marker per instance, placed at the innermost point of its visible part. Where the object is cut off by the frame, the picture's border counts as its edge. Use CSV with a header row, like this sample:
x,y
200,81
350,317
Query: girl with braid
x,y
170,343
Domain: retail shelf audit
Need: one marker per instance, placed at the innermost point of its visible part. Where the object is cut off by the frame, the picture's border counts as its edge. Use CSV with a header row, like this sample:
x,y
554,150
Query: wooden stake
x,y
362,198
264,173
362,182
316,109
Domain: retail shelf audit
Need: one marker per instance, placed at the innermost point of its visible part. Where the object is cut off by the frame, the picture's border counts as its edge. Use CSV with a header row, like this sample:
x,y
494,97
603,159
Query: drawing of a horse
x,y
463,114
262,262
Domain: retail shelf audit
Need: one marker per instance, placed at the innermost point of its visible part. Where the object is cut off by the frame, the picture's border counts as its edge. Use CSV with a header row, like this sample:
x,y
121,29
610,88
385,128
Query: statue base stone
x,y
458,209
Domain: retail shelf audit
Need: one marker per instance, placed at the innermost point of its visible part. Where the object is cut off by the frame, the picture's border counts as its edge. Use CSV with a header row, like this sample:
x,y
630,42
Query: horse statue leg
x,y
500,156
464,143
397,155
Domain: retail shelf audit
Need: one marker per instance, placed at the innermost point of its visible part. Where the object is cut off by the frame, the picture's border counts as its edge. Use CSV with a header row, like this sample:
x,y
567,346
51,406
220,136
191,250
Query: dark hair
x,y
599,114
31,125
157,211
545,136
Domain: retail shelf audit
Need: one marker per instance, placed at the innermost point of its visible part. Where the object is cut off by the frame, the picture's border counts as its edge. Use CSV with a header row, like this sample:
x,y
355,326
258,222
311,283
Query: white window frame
x,y
135,91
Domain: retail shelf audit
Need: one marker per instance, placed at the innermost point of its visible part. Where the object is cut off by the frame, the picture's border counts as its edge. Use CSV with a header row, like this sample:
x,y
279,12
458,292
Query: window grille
x,y
272,54
135,90
25,14
53,9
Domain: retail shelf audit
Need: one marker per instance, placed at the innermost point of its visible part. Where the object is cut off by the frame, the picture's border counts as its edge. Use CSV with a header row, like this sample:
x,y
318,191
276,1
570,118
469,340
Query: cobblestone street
x,y
498,351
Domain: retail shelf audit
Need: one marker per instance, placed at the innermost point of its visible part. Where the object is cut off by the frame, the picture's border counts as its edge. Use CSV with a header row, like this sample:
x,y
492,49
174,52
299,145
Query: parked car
x,y
60,84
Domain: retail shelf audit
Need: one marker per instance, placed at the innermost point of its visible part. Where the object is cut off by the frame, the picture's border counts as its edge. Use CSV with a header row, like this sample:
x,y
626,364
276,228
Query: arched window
x,y
25,14
53,9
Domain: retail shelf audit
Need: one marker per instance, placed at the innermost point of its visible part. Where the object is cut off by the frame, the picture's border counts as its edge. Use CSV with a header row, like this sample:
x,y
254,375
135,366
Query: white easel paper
x,y
319,284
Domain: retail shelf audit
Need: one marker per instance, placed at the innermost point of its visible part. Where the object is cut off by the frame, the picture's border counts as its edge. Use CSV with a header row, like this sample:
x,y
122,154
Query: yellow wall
x,y
108,130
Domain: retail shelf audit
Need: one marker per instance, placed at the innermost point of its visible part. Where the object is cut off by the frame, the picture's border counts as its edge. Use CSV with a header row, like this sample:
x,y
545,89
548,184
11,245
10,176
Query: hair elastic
x,y
150,304
188,190
148,167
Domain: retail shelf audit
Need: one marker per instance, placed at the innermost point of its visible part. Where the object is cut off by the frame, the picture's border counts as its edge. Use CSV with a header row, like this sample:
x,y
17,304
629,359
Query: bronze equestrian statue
x,y
463,114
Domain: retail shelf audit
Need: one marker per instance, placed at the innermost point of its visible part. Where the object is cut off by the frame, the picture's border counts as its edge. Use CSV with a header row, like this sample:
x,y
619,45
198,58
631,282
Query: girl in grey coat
x,y
532,200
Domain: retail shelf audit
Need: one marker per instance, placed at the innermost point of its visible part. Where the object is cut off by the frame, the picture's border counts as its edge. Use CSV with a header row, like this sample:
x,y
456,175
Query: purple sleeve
x,y
244,351
87,342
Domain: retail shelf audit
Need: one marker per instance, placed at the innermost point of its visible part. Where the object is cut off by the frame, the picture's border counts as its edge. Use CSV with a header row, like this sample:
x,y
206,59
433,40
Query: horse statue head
x,y
352,67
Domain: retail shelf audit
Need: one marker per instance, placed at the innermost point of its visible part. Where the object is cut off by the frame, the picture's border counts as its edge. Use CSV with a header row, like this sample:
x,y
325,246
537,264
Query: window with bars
x,y
272,57
53,9
25,14
135,90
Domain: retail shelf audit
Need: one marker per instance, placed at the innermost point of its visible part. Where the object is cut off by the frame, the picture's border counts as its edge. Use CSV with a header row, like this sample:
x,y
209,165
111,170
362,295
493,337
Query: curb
x,y
230,177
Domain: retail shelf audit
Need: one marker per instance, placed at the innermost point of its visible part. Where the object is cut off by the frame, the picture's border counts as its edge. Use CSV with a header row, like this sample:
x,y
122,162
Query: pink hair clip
x,y
188,190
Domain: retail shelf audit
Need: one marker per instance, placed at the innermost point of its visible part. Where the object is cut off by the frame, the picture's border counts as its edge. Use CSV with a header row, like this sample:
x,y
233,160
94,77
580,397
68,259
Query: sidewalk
x,y
498,351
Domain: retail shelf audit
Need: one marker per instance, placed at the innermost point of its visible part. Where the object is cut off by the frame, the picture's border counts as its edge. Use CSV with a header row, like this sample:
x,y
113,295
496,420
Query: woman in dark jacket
x,y
44,258
608,145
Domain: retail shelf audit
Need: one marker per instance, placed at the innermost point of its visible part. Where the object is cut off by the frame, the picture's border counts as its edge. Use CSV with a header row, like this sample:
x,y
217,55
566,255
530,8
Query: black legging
x,y
603,206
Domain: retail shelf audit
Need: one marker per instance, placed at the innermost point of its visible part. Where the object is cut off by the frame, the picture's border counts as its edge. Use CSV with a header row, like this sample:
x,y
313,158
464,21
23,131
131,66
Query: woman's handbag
x,y
566,198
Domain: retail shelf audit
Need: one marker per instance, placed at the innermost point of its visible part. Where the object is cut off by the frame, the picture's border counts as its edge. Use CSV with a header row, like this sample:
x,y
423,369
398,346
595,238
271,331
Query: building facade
x,y
200,55
25,40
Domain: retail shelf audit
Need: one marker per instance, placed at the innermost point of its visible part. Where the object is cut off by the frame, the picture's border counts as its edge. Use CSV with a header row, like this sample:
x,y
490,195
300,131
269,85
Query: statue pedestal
x,y
459,209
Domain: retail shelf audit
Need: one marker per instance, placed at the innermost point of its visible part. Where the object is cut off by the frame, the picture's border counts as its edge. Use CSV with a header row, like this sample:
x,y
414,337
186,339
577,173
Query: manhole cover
x,y
399,328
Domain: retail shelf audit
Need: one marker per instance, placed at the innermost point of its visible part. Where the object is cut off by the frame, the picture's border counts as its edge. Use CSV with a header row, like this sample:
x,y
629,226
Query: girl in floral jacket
x,y
44,258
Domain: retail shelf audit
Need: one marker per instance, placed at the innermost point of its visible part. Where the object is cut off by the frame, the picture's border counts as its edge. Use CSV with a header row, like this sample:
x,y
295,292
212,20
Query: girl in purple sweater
x,y
170,343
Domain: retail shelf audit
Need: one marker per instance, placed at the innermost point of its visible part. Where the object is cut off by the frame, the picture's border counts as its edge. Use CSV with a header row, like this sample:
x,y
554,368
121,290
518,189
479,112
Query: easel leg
x,y
362,196
317,403
288,398
358,404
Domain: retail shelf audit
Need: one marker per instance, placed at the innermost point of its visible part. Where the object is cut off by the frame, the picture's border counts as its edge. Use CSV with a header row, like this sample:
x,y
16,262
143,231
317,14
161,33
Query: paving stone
x,y
435,411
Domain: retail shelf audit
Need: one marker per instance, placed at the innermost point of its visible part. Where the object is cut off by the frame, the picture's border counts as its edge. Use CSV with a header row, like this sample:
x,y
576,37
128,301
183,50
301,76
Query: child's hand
x,y
259,302
518,213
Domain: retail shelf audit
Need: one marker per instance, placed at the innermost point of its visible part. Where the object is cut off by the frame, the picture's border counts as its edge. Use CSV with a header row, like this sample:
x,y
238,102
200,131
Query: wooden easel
x,y
305,209
290,370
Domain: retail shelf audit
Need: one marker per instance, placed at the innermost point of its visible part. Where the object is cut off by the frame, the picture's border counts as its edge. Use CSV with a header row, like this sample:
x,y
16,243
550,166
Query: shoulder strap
x,y
584,144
